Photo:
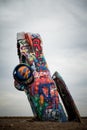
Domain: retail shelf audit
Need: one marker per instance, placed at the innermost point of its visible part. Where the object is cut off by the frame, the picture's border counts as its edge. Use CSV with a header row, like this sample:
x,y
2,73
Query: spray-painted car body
x,y
33,76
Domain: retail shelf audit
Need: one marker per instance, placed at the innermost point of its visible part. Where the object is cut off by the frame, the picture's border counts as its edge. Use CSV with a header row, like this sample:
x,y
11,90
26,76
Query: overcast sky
x,y
62,25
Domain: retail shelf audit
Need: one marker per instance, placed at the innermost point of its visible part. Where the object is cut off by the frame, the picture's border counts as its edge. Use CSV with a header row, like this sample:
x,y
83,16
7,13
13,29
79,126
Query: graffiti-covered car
x,y
33,76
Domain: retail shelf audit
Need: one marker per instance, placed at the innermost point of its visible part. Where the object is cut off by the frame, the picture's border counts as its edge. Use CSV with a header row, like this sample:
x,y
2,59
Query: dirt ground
x,y
28,123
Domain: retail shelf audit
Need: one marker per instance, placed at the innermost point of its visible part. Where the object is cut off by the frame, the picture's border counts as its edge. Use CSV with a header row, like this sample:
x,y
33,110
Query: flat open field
x,y
28,123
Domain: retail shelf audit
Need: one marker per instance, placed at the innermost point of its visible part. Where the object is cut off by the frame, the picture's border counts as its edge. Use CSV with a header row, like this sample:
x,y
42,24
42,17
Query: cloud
x,y
62,26
10,107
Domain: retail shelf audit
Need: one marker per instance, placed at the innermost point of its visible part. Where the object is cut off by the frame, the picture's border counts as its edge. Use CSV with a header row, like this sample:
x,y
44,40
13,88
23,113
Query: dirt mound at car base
x,y
28,123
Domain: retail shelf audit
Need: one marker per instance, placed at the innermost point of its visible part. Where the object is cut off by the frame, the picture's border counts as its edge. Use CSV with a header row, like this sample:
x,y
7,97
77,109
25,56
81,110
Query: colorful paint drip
x,y
33,76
